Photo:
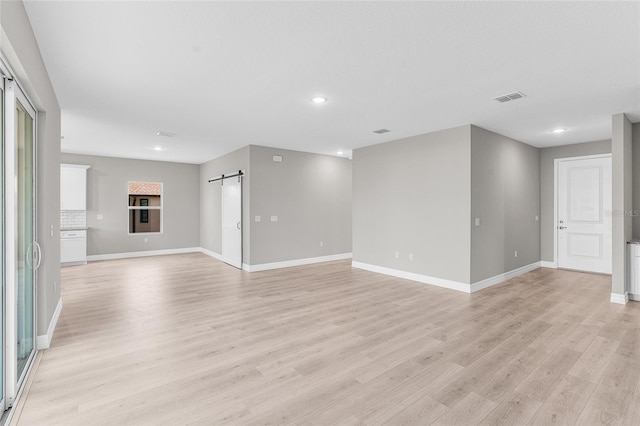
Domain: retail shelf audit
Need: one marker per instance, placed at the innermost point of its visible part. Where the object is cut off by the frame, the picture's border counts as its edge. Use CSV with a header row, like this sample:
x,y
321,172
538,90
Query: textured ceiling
x,y
222,75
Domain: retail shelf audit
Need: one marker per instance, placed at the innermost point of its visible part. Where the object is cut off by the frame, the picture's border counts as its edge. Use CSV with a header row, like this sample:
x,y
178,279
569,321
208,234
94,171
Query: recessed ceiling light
x,y
340,152
319,100
167,134
158,148
556,131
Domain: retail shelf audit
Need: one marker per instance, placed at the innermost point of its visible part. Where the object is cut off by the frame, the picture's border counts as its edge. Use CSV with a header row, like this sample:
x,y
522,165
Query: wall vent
x,y
509,97
381,131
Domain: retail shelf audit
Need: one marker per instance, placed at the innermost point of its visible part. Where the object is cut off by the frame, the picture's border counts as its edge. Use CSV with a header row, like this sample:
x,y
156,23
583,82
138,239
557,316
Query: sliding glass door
x,y
25,241
22,253
2,246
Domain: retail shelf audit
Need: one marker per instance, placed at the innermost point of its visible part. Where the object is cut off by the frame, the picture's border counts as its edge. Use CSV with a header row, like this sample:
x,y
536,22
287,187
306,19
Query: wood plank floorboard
x,y
187,340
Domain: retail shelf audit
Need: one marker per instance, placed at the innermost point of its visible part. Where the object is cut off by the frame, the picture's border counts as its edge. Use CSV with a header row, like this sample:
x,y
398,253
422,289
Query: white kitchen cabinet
x,y
73,247
73,187
634,272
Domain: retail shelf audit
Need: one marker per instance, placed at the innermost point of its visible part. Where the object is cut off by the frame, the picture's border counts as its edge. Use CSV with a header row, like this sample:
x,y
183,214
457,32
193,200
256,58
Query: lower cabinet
x,y
634,272
73,246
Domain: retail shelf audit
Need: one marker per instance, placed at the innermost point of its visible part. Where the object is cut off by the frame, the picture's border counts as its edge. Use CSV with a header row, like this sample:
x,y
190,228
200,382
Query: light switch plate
x,y
477,221
100,217
258,218
274,218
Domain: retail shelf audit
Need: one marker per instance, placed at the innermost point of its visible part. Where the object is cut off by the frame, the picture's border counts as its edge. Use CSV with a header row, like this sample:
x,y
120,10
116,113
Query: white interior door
x,y
584,214
232,221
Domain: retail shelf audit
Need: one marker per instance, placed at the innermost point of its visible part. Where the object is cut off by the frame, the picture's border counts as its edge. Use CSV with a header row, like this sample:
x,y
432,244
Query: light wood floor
x,y
185,339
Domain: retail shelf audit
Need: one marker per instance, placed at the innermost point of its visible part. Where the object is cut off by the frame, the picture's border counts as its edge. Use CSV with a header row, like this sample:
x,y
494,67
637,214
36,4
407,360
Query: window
x,y
145,207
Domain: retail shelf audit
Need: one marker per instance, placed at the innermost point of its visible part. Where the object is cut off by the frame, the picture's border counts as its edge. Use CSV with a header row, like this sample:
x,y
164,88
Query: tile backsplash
x,y
73,219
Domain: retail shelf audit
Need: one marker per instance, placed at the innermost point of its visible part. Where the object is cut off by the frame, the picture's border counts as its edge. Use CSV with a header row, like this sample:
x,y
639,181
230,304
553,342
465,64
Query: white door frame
x,y
556,181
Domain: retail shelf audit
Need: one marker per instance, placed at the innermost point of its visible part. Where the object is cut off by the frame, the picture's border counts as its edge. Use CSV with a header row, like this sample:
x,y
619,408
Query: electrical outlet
x,y
146,240
274,218
55,286
52,230
516,253
477,221
397,255
537,218
100,217
258,219
411,257
321,244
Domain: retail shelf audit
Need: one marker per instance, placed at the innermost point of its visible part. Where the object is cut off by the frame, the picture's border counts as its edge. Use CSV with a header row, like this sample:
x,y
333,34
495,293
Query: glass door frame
x,y
12,383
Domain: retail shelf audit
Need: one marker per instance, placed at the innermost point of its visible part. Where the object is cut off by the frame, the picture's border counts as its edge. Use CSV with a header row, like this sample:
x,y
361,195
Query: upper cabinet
x,y
73,187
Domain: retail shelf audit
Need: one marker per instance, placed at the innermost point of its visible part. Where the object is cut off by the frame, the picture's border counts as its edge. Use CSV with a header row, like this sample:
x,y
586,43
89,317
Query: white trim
x,y
213,254
440,282
477,286
621,299
44,341
295,262
545,264
634,297
425,279
112,256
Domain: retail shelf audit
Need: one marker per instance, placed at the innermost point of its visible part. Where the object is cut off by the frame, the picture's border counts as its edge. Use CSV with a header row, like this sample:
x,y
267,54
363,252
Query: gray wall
x,y
621,152
505,196
211,199
414,196
21,50
547,157
310,194
107,195
636,180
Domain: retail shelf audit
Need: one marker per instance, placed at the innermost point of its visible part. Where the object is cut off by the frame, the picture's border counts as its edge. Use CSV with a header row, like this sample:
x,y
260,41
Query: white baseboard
x,y
43,342
621,299
295,262
425,279
546,264
213,254
477,286
634,297
440,282
112,256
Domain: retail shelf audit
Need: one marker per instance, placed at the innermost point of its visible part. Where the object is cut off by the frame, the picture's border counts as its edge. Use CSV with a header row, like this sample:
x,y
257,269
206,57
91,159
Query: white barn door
x,y
584,227
232,221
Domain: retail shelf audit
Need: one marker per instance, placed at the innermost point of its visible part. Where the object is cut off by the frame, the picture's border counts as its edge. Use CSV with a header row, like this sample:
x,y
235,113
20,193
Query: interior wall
x,y
107,188
211,200
505,197
621,153
311,196
636,180
19,47
413,196
547,157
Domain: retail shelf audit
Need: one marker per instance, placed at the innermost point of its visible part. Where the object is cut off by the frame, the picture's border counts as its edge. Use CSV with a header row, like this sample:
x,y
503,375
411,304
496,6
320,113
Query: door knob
x,y
238,225
562,227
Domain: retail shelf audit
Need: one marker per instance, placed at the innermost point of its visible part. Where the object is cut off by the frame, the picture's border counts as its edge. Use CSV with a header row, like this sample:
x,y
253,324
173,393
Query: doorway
x,y
583,213
232,220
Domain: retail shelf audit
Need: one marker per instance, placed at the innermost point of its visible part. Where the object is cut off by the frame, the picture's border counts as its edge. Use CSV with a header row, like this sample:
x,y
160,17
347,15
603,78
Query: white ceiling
x,y
222,75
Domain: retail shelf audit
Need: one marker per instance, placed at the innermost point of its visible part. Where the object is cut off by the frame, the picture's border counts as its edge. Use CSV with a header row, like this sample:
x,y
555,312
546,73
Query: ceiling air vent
x,y
510,97
381,131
